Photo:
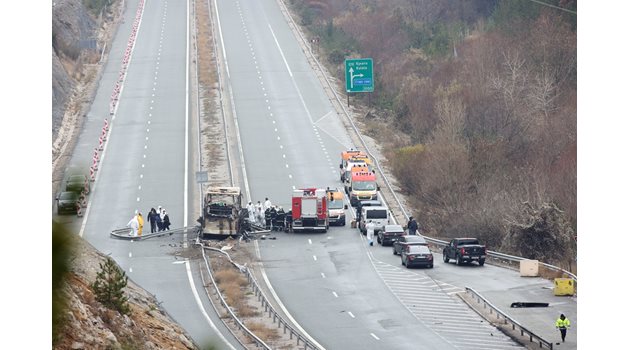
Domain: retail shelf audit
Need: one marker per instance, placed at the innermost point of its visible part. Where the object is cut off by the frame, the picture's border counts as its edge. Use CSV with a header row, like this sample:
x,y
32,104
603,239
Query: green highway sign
x,y
359,75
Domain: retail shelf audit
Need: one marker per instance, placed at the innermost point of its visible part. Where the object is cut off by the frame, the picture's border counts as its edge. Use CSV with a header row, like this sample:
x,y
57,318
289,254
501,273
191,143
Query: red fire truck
x,y
308,210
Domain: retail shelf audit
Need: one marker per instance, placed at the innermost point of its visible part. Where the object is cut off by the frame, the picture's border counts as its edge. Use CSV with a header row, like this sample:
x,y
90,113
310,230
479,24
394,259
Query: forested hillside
x,y
486,90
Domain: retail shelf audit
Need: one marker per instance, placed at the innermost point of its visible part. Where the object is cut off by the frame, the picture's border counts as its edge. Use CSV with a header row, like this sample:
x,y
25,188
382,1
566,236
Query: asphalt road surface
x,y
143,165
343,293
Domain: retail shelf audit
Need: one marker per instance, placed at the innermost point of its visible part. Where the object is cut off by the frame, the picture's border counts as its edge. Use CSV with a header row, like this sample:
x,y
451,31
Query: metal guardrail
x,y
506,257
507,319
259,342
495,255
269,309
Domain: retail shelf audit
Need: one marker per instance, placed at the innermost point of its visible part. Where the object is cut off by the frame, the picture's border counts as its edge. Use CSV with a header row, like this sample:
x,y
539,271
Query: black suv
x,y
404,240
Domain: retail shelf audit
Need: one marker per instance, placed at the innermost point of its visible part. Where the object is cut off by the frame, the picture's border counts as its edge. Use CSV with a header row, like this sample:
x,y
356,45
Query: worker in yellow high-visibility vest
x,y
562,324
140,224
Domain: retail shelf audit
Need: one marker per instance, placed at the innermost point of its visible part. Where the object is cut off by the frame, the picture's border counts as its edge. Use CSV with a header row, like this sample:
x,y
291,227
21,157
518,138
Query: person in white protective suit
x,y
370,232
251,211
267,204
260,217
134,225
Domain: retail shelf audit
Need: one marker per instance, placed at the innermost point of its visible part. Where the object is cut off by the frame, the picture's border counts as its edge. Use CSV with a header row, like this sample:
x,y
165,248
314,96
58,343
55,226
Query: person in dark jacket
x,y
412,226
273,214
268,218
166,221
152,219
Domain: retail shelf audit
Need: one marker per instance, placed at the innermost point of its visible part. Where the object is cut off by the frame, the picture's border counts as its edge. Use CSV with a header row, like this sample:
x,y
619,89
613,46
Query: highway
x,y
144,165
343,293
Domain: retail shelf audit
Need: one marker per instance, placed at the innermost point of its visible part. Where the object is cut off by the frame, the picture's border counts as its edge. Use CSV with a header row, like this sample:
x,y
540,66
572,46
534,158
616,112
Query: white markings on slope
x,y
427,300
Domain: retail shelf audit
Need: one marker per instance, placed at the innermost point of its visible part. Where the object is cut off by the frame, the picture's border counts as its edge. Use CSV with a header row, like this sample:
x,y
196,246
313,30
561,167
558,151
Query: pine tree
x,y
109,285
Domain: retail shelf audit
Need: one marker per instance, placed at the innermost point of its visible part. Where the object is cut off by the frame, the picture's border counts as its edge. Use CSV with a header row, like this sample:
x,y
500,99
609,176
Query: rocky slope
x,y
89,325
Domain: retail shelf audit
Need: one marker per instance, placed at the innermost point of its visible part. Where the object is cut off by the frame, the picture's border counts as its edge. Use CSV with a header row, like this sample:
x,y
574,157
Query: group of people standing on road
x,y
158,219
265,214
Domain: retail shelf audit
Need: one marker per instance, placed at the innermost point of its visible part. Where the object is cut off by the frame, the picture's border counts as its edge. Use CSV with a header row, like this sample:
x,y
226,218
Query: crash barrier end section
x,y
508,320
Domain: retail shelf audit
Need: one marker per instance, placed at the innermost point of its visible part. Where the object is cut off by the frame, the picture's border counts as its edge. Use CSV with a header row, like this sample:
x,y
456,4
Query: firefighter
x,y
274,214
288,221
268,218
280,216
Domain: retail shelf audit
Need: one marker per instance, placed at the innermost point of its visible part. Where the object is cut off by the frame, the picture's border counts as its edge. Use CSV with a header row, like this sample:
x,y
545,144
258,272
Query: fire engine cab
x,y
308,210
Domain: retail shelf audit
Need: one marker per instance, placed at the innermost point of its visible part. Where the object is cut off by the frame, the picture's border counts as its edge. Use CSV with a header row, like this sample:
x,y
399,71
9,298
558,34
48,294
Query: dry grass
x,y
230,276
263,332
233,287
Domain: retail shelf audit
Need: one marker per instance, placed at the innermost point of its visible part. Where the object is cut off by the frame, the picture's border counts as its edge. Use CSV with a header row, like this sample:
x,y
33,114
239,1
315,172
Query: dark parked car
x,y
76,183
416,255
67,202
404,240
389,234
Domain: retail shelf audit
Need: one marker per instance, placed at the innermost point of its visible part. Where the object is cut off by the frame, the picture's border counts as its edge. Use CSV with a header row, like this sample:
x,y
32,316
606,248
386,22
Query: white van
x,y
379,216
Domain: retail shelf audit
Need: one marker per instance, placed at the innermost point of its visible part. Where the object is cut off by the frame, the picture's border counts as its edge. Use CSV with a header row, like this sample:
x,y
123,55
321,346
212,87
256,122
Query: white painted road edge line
x,y
284,309
374,336
200,305
281,53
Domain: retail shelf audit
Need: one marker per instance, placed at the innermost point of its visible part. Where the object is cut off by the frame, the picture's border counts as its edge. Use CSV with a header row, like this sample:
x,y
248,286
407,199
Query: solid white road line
x,y
374,336
201,308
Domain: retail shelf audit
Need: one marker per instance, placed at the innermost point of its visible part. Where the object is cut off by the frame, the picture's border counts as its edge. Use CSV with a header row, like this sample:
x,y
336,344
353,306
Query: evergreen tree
x,y
109,285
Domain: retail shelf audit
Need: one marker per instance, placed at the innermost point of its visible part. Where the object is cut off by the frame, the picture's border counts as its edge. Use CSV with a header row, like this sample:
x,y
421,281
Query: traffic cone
x,y
82,201
100,143
79,210
104,133
92,176
106,125
86,188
